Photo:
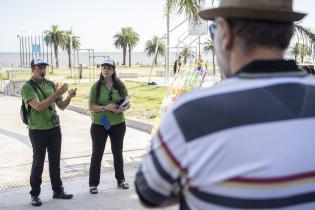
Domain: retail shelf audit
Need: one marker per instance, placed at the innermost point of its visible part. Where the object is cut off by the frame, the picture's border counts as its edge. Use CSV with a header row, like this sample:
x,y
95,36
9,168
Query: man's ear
x,y
226,34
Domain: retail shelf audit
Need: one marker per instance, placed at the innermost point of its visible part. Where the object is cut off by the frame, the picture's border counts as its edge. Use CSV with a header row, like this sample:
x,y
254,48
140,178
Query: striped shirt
x,y
248,143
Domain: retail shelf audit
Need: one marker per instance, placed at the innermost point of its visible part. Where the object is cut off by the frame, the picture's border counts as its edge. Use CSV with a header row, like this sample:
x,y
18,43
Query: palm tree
x,y
305,51
70,37
56,37
120,41
132,41
186,53
189,7
307,36
208,47
295,51
301,50
151,45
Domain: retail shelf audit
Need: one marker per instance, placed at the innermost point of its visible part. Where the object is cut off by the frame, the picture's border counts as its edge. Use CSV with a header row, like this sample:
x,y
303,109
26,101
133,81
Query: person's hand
x,y
110,107
61,90
72,92
122,109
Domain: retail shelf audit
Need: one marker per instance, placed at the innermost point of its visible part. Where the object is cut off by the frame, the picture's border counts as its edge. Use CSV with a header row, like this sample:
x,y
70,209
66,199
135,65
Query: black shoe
x,y
36,201
93,190
62,195
123,185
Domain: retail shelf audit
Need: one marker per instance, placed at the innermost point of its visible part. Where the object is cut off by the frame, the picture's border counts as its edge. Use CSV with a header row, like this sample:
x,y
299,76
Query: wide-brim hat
x,y
264,10
109,62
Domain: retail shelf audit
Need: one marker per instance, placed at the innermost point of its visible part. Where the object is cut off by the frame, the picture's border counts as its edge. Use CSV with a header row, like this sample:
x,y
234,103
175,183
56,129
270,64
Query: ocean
x,y
12,59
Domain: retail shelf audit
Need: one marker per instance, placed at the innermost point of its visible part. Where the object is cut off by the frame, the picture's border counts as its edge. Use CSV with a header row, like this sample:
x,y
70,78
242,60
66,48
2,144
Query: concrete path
x,y
16,158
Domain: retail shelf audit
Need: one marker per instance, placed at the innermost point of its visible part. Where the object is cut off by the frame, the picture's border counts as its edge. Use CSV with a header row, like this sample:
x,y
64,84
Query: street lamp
x,y
18,36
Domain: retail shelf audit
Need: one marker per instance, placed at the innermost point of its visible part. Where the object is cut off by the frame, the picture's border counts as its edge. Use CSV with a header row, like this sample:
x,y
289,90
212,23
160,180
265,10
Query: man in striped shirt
x,y
247,143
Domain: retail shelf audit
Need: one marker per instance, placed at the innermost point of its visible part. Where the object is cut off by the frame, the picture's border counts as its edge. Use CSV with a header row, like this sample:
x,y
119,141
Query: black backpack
x,y
24,113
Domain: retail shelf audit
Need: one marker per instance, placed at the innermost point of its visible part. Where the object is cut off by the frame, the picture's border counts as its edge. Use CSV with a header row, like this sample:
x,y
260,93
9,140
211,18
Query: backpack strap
x,y
98,92
52,84
30,82
36,87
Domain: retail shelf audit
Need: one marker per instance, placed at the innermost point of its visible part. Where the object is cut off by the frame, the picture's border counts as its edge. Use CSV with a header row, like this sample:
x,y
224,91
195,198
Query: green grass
x,y
145,100
3,76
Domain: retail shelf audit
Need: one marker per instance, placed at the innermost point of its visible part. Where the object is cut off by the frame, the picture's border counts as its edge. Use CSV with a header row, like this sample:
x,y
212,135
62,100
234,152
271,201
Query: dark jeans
x,y
99,136
42,140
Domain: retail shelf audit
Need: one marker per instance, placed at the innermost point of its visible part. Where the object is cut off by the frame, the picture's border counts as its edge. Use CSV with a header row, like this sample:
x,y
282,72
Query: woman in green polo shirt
x,y
107,120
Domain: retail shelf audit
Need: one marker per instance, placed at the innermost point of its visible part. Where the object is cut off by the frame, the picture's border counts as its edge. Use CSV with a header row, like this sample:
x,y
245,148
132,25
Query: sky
x,y
97,21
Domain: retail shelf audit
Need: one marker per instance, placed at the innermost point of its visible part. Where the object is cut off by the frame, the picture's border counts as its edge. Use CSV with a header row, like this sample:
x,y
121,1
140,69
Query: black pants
x,y
99,136
42,140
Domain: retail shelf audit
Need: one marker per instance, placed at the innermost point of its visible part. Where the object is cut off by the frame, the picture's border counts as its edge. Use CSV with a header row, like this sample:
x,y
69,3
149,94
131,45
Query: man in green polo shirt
x,y
41,95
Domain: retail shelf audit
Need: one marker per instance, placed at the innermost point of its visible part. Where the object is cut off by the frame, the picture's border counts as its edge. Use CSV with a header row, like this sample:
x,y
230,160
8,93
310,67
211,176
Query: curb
x,y
136,124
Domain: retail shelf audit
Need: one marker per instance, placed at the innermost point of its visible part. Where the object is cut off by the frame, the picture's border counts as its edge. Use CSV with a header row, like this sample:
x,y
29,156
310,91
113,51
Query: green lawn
x,y
145,100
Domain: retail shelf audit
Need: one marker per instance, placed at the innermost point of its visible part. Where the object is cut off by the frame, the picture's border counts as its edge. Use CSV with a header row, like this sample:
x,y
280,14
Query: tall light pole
x,y
71,52
168,47
18,36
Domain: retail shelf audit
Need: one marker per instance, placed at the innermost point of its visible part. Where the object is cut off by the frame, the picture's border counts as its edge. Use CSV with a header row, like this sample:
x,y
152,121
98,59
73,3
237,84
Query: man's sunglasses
x,y
213,29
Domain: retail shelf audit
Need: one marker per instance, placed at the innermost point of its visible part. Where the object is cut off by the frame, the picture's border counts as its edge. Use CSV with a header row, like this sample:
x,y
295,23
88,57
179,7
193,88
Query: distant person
x,y
247,143
177,64
40,96
107,120
199,64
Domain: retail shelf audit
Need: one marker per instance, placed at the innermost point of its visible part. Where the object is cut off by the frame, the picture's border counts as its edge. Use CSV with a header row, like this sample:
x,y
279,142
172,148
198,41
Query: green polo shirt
x,y
114,118
39,120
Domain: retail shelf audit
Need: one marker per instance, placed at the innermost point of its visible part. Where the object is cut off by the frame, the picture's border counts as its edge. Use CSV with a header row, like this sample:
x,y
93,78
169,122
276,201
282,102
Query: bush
x,y
3,76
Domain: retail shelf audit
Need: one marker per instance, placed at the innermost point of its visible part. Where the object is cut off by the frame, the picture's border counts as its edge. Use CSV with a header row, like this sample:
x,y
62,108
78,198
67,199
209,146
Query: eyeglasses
x,y
110,95
107,67
40,67
213,29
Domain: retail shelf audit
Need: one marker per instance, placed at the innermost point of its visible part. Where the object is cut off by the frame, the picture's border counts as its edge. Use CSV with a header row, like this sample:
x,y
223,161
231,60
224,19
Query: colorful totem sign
x,y
184,81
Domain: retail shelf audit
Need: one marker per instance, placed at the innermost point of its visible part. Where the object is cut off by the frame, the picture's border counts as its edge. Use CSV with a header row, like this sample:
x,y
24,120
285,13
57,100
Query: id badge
x,y
55,119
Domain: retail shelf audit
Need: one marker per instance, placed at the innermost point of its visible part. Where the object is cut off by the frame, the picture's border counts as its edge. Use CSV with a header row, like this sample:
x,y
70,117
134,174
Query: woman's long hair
x,y
117,84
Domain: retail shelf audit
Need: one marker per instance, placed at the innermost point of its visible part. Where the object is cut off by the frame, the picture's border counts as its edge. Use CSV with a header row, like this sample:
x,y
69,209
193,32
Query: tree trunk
x,y
69,57
56,55
129,49
213,63
155,59
167,63
124,56
313,53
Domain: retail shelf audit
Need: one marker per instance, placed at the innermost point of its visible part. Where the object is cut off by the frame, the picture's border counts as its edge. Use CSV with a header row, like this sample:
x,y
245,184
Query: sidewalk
x,y
16,158
109,197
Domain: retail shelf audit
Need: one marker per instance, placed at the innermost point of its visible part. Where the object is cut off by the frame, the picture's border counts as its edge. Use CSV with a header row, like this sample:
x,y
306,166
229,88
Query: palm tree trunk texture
x,y
69,58
168,44
213,62
124,56
56,55
129,49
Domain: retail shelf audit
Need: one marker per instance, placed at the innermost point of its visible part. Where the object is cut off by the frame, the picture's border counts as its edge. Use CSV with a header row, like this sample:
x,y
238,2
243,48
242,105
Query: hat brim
x,y
254,14
41,63
109,64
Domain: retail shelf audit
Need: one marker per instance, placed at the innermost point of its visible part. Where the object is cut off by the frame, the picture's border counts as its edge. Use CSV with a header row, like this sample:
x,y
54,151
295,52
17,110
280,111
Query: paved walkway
x,y
16,157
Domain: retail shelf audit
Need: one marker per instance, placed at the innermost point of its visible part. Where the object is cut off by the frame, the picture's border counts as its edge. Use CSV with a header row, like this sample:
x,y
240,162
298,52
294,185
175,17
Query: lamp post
x,y
20,42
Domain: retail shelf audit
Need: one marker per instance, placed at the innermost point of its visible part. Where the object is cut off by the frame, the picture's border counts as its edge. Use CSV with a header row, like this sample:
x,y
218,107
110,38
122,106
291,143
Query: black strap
x,y
31,83
36,86
98,92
